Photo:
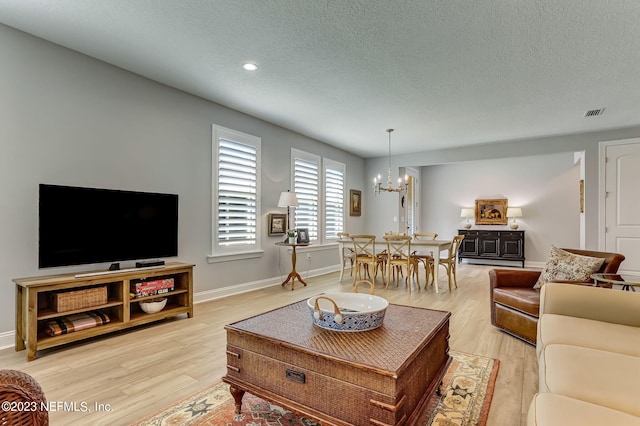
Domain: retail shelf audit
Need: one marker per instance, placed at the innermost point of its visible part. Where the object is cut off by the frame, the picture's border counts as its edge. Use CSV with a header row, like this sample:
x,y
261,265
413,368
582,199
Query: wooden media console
x,y
37,303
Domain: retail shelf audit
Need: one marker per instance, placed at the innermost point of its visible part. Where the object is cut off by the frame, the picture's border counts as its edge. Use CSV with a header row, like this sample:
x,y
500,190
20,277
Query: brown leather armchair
x,y
515,304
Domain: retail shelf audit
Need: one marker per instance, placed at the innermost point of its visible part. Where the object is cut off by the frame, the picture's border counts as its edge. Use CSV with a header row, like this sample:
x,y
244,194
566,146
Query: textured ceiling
x,y
442,73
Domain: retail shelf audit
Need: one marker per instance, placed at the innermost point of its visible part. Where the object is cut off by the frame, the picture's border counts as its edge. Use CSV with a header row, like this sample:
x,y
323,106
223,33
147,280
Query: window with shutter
x,y
236,185
319,186
306,168
334,199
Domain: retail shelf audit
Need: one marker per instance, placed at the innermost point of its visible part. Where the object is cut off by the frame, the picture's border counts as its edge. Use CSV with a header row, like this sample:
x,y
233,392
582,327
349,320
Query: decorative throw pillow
x,y
565,266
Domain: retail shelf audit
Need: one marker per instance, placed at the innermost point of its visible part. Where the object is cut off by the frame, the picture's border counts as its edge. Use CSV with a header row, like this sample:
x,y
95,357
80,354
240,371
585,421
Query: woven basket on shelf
x,y
22,391
79,299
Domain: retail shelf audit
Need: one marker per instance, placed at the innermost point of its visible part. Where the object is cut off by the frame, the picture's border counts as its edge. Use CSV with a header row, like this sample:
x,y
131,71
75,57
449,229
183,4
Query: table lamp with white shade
x,y
467,213
514,212
288,199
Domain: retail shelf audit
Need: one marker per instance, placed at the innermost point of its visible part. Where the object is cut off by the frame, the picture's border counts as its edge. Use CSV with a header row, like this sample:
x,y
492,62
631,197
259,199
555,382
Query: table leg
x,y
293,275
237,397
342,261
436,266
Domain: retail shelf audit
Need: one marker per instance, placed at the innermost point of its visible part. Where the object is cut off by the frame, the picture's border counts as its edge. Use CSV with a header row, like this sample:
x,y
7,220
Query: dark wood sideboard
x,y
492,245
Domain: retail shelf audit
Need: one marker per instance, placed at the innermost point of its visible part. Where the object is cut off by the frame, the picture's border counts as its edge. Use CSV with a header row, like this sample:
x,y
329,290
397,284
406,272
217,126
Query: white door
x,y
410,202
622,201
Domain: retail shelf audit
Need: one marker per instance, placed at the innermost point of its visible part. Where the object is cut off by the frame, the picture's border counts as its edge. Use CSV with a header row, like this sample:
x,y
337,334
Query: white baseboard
x,y
7,339
218,293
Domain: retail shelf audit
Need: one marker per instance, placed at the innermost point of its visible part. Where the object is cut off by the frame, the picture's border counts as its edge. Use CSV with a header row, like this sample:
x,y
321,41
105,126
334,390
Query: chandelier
x,y
377,181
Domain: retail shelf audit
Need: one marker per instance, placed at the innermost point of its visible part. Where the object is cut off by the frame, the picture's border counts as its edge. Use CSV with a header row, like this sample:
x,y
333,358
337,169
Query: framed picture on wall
x,y
355,202
491,212
277,223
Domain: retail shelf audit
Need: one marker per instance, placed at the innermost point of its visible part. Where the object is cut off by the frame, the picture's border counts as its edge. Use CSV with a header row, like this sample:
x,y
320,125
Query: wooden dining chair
x,y
346,255
365,257
383,255
450,262
399,257
426,259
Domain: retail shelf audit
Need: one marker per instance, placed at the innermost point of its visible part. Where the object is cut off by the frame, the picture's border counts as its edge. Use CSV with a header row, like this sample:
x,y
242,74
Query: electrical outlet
x,y
309,257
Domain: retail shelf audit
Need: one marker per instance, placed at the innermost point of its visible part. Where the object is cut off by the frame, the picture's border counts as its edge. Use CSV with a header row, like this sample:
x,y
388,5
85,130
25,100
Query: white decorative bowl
x,y
154,305
347,311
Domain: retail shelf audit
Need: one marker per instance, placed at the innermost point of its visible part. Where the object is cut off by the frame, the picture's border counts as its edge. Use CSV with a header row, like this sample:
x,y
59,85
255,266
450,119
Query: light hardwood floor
x,y
138,372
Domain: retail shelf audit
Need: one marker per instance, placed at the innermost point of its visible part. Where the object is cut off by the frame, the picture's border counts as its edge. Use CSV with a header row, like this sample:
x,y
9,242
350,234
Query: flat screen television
x,y
90,225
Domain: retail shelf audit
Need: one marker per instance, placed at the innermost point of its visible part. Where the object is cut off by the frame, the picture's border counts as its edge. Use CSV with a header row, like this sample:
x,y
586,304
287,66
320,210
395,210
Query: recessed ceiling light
x,y
250,66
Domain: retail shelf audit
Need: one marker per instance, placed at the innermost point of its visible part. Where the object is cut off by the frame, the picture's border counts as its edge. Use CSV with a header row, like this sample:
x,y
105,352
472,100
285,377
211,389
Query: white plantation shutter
x,y
306,168
319,185
236,194
334,199
236,225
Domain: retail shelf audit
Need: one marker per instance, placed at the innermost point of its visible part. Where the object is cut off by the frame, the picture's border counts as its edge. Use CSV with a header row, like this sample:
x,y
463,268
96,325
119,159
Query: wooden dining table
x,y
436,246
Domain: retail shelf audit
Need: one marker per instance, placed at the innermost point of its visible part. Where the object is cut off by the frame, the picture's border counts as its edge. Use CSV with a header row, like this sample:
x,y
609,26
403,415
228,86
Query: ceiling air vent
x,y
594,112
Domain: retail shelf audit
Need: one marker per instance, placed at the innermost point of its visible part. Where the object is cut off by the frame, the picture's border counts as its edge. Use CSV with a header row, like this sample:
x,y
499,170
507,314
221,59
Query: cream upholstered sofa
x,y
588,350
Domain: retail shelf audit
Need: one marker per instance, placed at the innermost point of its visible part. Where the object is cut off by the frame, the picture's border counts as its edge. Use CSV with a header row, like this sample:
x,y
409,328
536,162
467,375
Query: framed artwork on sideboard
x,y
491,211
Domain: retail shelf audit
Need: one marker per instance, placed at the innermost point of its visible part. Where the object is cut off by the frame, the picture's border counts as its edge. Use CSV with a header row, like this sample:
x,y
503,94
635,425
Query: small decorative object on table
x,y
303,235
153,305
291,233
348,311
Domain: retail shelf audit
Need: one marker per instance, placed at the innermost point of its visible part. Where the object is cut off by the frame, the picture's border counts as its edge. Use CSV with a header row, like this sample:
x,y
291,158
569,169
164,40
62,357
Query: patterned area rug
x,y
469,384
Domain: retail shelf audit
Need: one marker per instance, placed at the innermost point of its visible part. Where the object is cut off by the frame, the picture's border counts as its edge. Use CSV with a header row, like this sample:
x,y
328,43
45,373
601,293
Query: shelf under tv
x,y
34,309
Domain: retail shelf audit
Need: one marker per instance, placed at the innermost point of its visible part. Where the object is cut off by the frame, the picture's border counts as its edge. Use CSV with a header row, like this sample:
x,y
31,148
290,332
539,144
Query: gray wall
x,y
545,186
72,120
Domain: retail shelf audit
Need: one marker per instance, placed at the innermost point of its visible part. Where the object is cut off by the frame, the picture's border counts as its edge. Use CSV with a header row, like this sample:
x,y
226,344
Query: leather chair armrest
x,y
513,278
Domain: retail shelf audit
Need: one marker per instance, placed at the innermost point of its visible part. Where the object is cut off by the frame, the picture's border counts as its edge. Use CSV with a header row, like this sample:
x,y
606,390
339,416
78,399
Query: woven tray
x,y
79,299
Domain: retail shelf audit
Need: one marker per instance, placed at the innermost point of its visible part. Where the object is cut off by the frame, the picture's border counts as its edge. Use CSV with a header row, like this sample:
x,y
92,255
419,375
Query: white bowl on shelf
x,y
154,305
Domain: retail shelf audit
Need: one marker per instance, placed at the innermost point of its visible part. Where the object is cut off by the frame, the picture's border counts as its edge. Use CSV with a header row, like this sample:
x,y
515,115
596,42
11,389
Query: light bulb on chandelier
x,y
377,181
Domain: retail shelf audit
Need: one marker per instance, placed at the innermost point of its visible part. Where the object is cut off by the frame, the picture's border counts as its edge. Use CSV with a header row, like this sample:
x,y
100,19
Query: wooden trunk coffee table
x,y
378,377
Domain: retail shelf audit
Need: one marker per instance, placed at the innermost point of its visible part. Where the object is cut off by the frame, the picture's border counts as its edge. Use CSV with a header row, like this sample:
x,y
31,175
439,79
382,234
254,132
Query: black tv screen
x,y
89,225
